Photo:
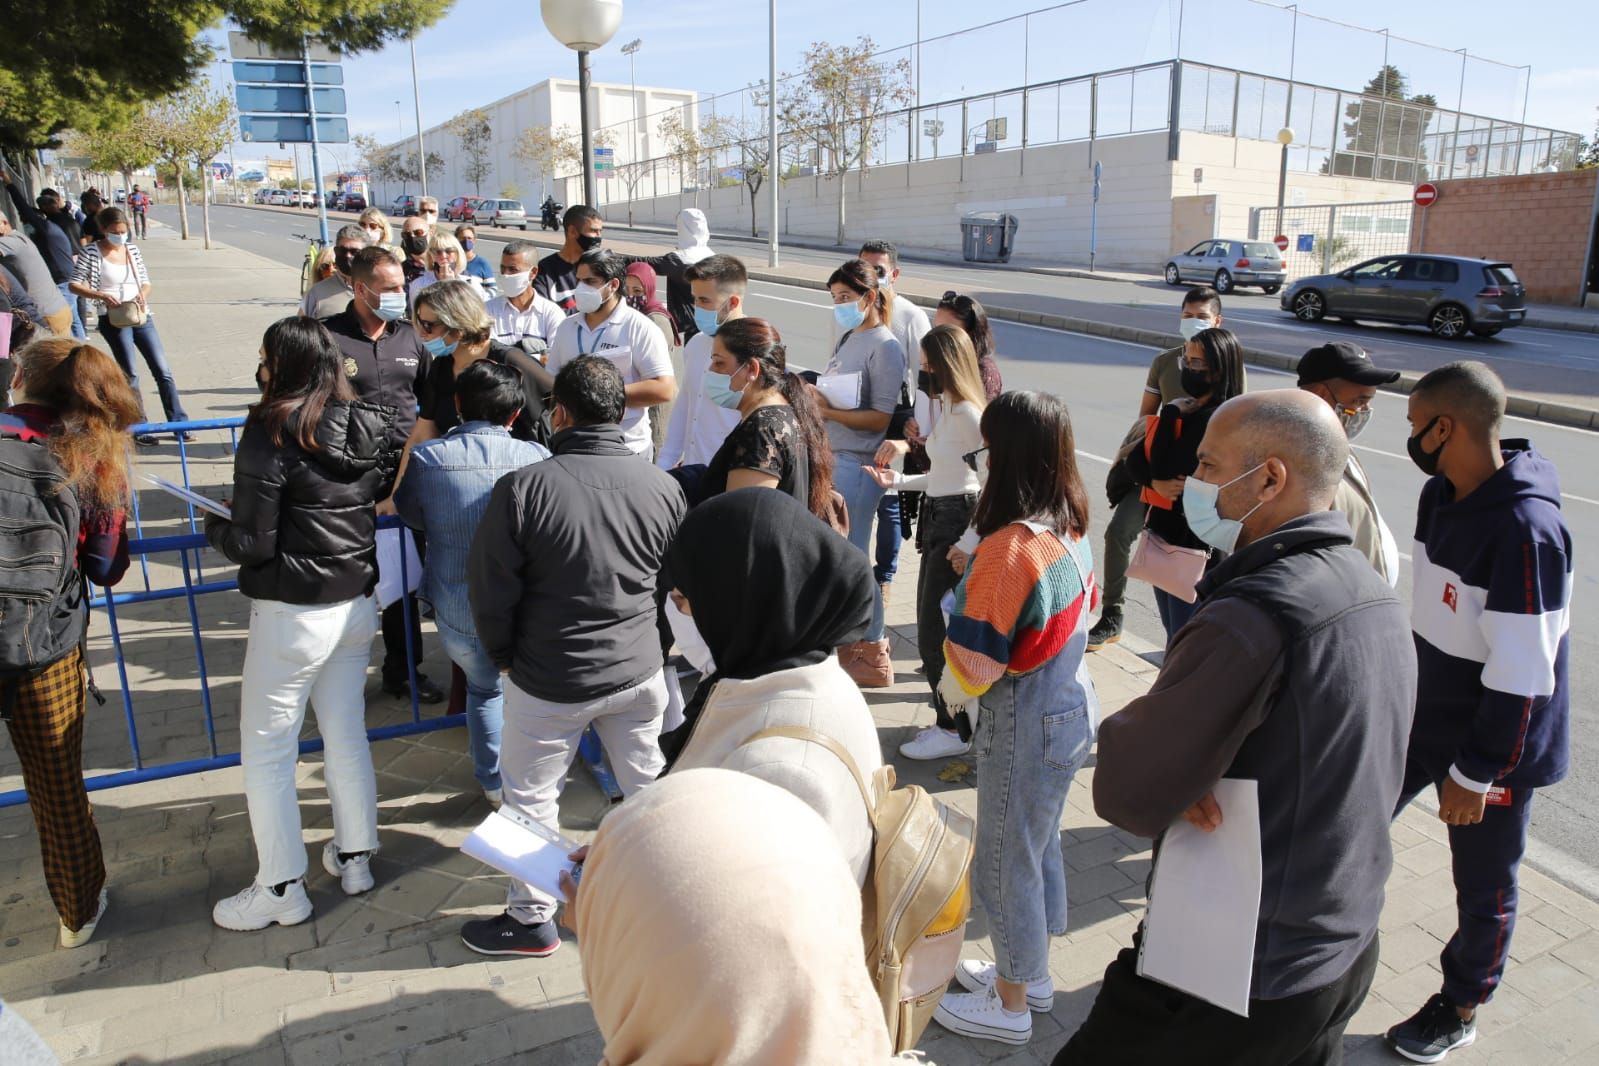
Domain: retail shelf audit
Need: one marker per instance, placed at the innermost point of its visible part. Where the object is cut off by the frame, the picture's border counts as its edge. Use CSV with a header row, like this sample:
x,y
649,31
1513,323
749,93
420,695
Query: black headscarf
x,y
771,586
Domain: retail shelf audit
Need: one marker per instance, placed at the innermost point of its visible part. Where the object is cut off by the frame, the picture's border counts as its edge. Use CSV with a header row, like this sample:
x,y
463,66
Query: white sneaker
x,y
354,873
934,743
975,975
495,796
258,907
980,1015
70,939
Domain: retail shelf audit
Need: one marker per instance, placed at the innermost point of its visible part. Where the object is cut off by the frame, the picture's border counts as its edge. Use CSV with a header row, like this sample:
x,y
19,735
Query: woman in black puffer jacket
x,y
312,463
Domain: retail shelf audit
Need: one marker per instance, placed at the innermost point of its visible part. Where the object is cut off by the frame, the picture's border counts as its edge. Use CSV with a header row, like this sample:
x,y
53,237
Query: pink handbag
x,y
1169,568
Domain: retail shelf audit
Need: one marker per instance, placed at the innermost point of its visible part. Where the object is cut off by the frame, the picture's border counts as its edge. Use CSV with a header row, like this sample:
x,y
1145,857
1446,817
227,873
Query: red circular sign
x,y
1426,194
1281,242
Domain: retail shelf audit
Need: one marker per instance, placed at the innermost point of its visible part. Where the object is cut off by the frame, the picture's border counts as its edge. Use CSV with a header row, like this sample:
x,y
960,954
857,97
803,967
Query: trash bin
x,y
988,237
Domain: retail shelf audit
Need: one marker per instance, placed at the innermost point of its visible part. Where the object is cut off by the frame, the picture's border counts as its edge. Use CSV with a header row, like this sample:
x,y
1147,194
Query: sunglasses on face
x,y
970,458
428,325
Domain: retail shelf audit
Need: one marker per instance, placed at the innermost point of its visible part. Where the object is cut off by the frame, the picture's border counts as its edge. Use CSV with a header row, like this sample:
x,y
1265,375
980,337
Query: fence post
x,y
1326,245
1174,117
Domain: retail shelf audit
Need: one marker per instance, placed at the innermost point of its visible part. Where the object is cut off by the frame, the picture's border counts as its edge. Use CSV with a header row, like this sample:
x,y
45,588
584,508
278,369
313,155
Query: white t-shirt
x,y
512,324
697,427
632,343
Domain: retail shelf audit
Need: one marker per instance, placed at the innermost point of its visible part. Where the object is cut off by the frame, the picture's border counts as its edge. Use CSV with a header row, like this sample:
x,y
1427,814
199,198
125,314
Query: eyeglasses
x,y
970,458
428,325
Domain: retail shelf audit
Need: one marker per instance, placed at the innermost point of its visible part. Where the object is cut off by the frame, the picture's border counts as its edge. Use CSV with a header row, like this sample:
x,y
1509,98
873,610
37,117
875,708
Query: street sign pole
x,y
316,155
1093,218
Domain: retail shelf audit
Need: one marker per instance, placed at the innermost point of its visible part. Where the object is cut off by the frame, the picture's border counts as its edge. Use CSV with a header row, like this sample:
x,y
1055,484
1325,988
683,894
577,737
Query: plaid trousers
x,y
46,726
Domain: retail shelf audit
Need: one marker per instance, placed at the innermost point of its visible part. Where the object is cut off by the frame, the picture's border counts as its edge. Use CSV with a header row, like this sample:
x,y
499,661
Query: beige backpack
x,y
917,894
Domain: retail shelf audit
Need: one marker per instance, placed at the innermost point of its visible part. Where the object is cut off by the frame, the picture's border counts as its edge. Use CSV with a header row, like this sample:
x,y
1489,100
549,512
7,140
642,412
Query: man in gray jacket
x,y
561,577
1295,673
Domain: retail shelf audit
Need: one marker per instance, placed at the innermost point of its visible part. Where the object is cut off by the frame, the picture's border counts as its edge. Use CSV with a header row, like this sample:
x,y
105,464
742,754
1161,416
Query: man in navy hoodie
x,y
1492,602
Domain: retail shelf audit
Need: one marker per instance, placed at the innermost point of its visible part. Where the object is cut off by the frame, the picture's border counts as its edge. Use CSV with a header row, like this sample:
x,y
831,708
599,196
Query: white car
x,y
279,197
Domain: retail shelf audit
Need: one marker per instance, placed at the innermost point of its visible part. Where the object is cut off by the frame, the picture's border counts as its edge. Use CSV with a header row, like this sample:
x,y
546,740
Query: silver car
x,y
1449,294
504,213
1226,264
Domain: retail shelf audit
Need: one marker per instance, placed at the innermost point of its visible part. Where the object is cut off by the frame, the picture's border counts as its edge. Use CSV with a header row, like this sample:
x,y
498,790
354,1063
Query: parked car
x,y
305,198
404,205
456,210
261,195
503,213
1227,264
331,199
351,201
281,197
1449,294
121,196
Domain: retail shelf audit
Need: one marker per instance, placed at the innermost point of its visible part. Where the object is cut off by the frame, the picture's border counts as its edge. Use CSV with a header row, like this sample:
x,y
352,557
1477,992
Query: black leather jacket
x,y
304,523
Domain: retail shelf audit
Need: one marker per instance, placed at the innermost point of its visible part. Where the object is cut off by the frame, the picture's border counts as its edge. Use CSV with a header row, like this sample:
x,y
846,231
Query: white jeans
x,y
295,653
539,742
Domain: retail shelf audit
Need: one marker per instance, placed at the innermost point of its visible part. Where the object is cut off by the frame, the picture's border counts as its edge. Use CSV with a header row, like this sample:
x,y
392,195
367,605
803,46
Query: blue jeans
x,y
485,701
72,301
886,564
861,494
128,341
1032,735
1174,613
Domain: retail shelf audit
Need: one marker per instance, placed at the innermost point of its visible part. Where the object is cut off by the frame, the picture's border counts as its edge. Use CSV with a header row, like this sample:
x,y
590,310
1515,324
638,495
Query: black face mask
x,y
414,243
588,244
260,379
1426,462
342,258
927,381
1196,383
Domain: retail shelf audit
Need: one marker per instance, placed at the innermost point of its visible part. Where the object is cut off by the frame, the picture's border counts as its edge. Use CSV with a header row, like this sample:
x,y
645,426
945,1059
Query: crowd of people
x,y
570,544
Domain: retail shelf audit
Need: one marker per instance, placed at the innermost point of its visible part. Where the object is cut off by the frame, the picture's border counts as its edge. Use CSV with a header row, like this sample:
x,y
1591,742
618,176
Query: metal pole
x,y
316,156
773,161
918,51
632,132
1521,140
421,152
1382,110
588,133
1293,55
1282,188
1460,102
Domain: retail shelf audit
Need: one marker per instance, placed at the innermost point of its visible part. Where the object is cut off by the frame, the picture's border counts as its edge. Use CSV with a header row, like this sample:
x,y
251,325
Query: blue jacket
x,y
444,494
1492,621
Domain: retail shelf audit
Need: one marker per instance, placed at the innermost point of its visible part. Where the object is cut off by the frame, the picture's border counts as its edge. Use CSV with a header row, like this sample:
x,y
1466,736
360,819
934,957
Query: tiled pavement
x,y
384,978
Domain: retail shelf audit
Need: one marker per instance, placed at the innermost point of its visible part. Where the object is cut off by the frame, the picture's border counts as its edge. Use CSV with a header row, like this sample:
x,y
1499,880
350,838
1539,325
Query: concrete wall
x,y
1539,222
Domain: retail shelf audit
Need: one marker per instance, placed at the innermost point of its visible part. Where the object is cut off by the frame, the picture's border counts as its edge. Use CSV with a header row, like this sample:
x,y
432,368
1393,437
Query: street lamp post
x,y
1285,137
630,49
583,26
416,95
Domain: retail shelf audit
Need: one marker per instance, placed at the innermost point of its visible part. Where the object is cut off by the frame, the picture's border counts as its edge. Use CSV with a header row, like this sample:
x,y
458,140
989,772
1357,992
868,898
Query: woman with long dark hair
x,y
311,465
1213,373
781,443
68,427
958,309
1017,637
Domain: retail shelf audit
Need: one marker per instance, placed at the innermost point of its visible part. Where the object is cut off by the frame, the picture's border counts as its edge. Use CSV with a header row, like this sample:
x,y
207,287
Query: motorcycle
x,y
550,215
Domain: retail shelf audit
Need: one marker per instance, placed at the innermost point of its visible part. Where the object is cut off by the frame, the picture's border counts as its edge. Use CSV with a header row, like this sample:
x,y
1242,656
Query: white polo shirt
x,y
697,427
632,343
512,324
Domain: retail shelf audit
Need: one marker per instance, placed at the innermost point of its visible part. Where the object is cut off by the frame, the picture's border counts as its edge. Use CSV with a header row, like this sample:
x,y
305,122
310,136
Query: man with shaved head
x,y
1491,602
1294,673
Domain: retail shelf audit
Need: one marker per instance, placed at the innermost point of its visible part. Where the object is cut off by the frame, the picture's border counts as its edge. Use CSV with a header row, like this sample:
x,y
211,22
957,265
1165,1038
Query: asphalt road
x,y
1102,379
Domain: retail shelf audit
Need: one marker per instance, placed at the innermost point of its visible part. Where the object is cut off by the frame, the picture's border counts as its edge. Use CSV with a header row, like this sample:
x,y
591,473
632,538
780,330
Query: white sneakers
x,y
495,796
258,907
975,975
354,873
70,939
934,743
979,1014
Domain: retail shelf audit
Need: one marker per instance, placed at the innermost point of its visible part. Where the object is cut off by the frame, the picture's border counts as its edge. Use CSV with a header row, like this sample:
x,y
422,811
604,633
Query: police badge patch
x,y
351,368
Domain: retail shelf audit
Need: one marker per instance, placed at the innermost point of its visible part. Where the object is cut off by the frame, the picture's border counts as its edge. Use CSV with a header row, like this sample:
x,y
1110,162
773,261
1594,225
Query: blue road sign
x,y
1307,242
295,128
286,73
287,99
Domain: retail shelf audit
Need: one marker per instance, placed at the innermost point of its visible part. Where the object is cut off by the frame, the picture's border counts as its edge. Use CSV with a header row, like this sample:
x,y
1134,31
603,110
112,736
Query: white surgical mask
x,y
689,641
589,299
514,285
1193,327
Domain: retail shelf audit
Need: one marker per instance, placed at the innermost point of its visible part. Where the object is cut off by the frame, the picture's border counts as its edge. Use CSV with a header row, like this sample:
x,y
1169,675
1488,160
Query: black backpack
x,y
42,615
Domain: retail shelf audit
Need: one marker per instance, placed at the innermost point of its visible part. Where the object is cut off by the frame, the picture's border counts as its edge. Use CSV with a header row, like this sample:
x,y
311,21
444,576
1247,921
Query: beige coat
x,y
820,697
1372,536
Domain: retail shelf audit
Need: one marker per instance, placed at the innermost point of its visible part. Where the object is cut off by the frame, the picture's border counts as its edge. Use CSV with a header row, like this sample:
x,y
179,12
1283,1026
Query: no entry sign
x,y
1426,194
1282,242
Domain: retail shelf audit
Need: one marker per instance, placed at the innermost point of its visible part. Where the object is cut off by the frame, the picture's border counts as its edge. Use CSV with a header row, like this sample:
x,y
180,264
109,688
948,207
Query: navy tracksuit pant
x,y
1485,857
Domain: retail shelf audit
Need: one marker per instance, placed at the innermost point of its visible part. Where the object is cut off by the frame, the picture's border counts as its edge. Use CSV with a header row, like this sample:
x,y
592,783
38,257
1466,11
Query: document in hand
x,y
391,543
843,391
1199,932
515,844
188,496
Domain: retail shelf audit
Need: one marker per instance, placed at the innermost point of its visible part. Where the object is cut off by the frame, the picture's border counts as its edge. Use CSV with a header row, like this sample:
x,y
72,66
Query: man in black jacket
x,y
562,581
1295,673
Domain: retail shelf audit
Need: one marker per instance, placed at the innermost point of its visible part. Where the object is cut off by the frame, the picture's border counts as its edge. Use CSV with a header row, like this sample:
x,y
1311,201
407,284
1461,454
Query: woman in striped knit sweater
x,y
1017,632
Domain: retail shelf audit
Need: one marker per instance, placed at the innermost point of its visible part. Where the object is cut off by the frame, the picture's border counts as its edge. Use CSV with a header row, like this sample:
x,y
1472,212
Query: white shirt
x,y
697,427
512,324
632,343
427,277
956,433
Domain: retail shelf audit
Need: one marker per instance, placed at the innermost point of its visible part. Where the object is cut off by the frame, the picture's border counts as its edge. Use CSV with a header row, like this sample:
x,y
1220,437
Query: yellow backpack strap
x,y
799,732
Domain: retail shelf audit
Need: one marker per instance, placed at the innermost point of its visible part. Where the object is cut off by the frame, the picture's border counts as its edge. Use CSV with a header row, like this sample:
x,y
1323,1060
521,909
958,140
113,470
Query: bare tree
x,y
550,151
214,128
837,103
180,127
475,136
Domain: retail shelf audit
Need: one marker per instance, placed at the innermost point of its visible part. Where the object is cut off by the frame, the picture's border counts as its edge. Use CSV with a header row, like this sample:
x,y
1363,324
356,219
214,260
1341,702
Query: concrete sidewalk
x,y
384,978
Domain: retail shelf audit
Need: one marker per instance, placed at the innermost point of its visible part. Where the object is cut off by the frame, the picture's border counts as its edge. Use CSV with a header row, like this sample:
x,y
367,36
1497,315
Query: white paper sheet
x,y
391,542
205,503
515,844
1199,933
843,391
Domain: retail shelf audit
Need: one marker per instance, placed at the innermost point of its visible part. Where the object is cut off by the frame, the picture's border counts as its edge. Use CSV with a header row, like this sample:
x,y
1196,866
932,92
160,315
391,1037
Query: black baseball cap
x,y
1340,359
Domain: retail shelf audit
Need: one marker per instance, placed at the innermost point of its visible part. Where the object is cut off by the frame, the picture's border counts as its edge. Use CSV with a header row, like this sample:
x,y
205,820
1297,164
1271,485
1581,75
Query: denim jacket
x,y
444,494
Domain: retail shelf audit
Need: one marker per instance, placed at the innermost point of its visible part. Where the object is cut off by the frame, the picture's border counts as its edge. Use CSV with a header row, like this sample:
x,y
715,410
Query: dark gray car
x,y
1227,264
1449,294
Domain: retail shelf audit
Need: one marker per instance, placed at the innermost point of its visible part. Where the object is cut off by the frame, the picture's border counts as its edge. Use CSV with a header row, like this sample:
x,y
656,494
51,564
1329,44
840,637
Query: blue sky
x,y
485,49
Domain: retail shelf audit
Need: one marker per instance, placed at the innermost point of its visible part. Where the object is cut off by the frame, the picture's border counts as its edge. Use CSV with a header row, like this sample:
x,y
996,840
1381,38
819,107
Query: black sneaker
x,y
426,691
146,440
504,935
1432,1032
1108,630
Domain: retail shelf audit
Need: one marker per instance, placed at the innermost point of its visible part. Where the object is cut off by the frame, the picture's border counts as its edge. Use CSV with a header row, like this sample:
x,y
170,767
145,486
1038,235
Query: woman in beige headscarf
x,y
719,925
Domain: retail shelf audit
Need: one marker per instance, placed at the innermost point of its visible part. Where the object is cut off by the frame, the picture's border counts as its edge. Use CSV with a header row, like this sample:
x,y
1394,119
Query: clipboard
x,y
843,391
